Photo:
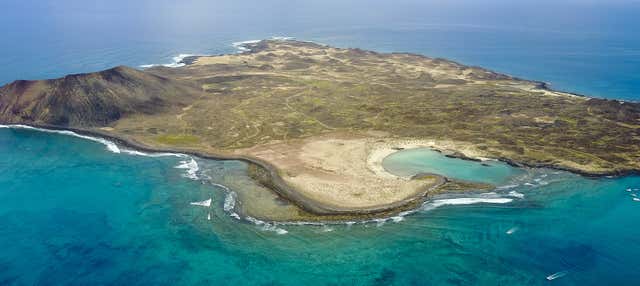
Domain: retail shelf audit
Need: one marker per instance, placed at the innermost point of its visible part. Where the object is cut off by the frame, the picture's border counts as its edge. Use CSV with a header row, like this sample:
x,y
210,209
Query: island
x,y
315,122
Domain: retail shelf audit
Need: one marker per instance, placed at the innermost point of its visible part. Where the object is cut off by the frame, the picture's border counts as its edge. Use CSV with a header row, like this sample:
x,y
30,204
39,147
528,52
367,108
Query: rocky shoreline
x,y
301,115
273,179
269,176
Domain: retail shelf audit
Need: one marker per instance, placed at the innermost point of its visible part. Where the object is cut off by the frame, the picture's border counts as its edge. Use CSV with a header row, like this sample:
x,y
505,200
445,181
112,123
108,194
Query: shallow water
x,y
73,212
425,160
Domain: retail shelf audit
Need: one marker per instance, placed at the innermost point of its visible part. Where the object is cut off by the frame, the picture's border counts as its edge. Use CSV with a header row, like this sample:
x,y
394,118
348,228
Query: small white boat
x,y
557,275
636,199
512,230
209,216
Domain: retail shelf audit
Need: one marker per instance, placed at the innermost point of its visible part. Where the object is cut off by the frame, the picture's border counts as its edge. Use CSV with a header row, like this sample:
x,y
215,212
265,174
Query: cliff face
x,y
92,99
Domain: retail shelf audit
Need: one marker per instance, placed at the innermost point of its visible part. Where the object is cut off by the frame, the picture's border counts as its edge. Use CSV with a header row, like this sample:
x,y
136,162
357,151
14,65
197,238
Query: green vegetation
x,y
173,139
285,90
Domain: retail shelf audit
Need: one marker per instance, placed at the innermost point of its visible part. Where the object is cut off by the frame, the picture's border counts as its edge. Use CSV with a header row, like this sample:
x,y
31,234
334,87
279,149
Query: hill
x,y
91,99
318,117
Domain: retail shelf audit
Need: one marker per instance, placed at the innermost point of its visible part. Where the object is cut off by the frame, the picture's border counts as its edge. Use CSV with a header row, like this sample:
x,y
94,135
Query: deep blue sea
x,y
74,211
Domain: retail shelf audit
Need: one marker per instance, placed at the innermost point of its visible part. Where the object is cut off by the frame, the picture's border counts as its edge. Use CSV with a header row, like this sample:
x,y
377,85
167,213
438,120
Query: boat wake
x,y
557,275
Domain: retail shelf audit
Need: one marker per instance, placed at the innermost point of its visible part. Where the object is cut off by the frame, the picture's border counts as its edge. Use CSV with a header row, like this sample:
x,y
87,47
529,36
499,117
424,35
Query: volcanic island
x,y
314,122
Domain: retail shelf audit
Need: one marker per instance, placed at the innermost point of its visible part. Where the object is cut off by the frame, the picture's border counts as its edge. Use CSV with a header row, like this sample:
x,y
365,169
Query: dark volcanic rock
x,y
91,99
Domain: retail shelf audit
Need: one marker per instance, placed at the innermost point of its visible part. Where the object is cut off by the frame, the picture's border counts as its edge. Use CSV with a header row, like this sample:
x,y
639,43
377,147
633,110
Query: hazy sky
x,y
200,14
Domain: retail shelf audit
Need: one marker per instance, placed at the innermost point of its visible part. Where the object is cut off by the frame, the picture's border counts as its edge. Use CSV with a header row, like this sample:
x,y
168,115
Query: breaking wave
x,y
189,163
205,203
486,198
242,46
111,146
469,201
191,167
177,61
267,226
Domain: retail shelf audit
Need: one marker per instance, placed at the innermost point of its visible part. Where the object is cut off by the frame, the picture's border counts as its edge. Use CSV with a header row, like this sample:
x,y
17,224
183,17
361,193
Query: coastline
x,y
374,162
241,46
275,184
275,174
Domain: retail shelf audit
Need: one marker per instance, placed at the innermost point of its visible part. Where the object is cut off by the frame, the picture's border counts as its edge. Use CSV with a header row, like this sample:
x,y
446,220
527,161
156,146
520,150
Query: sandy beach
x,y
346,172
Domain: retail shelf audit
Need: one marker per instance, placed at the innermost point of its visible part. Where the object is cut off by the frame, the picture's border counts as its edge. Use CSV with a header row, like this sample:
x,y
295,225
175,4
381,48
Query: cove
x,y
425,160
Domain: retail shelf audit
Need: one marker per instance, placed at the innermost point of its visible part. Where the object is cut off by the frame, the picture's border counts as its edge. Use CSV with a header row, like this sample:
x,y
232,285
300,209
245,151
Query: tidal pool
x,y
425,160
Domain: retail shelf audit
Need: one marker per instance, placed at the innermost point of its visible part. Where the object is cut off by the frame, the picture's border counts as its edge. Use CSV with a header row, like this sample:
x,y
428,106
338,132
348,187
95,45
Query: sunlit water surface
x,y
74,212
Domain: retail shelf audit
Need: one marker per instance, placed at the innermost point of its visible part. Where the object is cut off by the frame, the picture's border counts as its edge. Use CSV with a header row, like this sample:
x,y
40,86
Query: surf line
x,y
188,163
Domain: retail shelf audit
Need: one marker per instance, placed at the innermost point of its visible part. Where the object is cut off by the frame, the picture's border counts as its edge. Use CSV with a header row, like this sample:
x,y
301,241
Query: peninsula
x,y
316,121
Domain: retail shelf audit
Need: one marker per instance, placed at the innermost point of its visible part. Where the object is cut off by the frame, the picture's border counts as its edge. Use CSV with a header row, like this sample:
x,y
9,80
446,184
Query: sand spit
x,y
345,172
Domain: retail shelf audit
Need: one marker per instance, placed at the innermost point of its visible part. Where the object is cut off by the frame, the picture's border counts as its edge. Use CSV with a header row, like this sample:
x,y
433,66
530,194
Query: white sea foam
x,y
506,187
516,194
229,201
636,199
110,145
241,46
282,38
191,167
469,201
221,186
380,221
176,62
326,228
489,198
205,203
267,226
153,155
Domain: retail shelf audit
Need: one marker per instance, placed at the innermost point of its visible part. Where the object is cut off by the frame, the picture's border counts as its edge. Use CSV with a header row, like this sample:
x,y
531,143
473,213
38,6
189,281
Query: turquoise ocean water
x,y
75,212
